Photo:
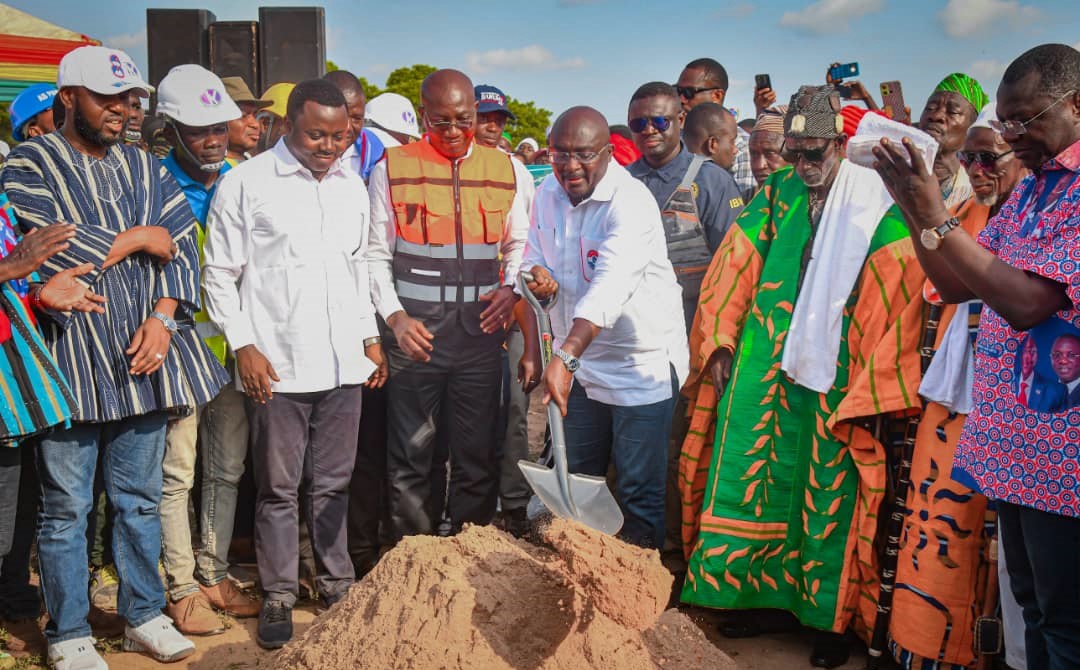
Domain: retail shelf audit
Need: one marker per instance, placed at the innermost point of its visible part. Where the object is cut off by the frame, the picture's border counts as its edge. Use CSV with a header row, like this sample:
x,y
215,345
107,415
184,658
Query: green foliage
x,y
331,66
532,121
406,81
370,90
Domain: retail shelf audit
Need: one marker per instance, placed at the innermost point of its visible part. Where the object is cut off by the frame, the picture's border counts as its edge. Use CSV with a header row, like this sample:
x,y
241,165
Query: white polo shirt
x,y
286,269
609,256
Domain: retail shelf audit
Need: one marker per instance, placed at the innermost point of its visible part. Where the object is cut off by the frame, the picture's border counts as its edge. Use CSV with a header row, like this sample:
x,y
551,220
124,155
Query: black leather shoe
x,y
275,625
517,522
830,650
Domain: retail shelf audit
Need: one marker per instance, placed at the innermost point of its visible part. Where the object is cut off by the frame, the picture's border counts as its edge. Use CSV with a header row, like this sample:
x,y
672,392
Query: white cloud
x,y
126,42
532,57
966,18
988,72
829,16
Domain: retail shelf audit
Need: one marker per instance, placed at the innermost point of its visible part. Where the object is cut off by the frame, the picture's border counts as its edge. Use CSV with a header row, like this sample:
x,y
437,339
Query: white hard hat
x,y
393,112
102,70
194,96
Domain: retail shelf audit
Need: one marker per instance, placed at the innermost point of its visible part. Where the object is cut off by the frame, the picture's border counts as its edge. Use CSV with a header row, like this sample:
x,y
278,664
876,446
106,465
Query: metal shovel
x,y
583,498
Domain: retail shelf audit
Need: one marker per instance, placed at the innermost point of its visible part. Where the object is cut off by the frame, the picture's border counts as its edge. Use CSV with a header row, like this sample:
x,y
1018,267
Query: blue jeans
x,y
1042,553
133,450
636,440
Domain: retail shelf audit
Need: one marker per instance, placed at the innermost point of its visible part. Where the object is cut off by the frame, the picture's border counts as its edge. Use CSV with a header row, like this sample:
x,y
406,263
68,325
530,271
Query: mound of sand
x,y
485,600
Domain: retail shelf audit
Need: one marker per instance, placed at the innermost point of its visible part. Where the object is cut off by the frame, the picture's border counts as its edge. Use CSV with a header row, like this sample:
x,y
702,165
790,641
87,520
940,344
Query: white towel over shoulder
x,y
854,208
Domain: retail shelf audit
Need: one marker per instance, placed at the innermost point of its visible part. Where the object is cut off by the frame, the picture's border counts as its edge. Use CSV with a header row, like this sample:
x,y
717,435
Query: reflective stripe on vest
x,y
688,248
450,219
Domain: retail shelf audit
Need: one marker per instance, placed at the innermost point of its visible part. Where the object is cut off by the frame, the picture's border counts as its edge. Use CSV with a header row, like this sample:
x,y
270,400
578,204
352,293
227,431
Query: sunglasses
x,y
691,92
661,123
809,155
984,159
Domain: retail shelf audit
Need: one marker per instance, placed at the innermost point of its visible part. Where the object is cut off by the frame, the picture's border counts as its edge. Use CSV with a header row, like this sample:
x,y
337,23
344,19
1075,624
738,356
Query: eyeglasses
x,y
809,155
583,157
661,123
1018,128
987,160
691,92
443,126
1064,356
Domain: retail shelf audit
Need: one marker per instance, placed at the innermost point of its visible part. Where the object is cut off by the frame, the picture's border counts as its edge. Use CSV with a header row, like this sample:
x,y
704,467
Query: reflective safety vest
x,y
206,329
688,248
450,217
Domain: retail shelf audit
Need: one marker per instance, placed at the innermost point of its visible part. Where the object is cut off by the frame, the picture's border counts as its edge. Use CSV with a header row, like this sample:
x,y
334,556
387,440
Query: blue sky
x,y
566,52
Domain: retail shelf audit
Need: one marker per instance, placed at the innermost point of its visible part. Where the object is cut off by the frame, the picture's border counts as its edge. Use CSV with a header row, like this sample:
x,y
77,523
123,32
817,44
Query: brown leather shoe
x,y
194,616
226,597
24,637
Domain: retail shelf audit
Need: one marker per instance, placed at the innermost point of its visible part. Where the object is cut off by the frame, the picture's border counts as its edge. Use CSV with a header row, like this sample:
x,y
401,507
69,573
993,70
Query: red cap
x,y
625,152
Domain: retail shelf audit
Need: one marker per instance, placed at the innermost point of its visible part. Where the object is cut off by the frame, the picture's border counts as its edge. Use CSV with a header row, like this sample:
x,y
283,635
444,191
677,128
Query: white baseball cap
x,y
393,112
102,70
195,96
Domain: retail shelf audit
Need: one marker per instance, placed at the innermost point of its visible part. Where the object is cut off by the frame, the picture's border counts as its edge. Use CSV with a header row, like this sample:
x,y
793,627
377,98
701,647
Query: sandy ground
x,y
235,649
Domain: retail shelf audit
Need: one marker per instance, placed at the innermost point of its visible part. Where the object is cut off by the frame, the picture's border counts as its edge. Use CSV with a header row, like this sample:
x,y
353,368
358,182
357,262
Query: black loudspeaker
x,y
234,50
292,44
175,37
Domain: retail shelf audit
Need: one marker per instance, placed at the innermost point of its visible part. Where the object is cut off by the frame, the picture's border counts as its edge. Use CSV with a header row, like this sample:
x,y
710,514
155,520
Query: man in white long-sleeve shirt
x,y
620,341
448,228
287,281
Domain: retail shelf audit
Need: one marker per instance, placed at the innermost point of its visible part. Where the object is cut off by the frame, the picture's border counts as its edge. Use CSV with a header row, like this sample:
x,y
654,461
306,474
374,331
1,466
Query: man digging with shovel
x,y
596,238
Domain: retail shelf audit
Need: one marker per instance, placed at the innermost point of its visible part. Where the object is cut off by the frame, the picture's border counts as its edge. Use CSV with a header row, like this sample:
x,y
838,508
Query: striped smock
x,y
47,180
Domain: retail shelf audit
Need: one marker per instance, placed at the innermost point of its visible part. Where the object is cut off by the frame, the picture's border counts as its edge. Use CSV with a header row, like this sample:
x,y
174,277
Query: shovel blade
x,y
589,501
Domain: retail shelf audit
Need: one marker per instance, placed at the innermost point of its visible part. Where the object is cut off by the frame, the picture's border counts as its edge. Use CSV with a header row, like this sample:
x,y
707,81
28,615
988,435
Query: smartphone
x,y
762,81
845,71
892,102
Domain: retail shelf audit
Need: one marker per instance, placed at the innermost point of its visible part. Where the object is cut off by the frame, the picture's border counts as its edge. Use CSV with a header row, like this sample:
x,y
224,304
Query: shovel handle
x,y
555,419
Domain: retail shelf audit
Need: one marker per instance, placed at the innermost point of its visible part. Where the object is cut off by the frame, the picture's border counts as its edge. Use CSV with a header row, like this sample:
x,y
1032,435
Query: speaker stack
x,y
286,44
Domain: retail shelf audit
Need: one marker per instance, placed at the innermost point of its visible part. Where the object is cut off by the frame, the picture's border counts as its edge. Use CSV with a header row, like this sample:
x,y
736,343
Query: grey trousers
x,y
304,440
10,467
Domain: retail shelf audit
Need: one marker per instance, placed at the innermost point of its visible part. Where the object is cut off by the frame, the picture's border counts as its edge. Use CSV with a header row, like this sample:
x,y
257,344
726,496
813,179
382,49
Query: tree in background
x,y
5,126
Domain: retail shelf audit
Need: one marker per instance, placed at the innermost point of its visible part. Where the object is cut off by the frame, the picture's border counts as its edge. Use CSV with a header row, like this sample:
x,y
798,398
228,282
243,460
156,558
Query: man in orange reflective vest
x,y
448,227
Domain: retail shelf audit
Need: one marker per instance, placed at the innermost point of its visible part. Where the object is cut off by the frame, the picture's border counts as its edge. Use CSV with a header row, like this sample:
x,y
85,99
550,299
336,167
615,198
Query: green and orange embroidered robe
x,y
781,486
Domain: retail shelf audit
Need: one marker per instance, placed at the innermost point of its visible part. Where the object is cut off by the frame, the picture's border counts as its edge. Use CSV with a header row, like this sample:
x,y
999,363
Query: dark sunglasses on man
x,y
691,92
987,160
661,123
809,155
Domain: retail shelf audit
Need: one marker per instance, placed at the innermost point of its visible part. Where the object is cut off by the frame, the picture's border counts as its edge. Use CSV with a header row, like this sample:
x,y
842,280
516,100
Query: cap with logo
x,y
240,93
393,112
194,96
491,99
102,70
32,101
278,97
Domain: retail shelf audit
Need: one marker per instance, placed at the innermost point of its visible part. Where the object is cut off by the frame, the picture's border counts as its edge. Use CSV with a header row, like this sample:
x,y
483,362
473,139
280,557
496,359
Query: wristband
x,y
35,297
372,340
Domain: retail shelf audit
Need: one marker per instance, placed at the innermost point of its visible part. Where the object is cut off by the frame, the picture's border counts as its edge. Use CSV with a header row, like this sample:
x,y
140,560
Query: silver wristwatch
x,y
169,324
571,362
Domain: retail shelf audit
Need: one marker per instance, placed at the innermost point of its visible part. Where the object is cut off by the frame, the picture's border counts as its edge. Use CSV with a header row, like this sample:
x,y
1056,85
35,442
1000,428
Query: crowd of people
x,y
829,362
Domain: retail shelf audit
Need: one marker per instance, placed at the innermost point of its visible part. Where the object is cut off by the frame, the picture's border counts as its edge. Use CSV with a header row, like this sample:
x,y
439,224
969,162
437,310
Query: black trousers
x,y
368,488
304,440
457,392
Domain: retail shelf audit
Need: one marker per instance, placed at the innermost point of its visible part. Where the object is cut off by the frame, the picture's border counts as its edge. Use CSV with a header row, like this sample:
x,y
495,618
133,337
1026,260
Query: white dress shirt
x,y
286,269
384,237
609,256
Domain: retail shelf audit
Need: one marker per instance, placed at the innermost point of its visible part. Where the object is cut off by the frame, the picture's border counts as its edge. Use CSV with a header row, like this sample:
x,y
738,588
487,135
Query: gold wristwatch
x,y
932,238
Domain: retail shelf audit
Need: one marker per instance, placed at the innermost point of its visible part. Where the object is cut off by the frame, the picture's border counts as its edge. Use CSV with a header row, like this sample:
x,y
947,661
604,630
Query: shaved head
x,y
444,85
710,130
580,148
346,82
448,107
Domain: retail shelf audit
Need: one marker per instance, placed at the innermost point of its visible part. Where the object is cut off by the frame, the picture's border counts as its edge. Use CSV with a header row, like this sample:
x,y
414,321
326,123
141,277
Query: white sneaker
x,y
160,639
77,654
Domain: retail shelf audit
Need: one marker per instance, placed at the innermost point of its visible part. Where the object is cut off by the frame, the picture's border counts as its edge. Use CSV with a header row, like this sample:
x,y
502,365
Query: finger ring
x,y
158,356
